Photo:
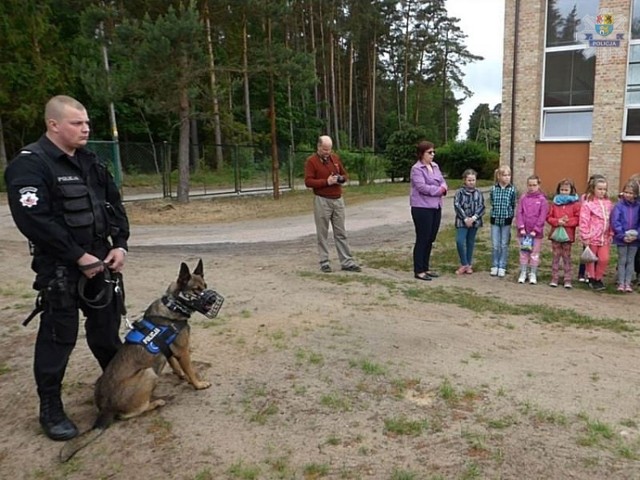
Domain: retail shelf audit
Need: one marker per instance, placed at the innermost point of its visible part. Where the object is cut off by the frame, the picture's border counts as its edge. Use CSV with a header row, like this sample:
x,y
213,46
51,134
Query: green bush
x,y
367,166
401,151
456,157
493,162
300,155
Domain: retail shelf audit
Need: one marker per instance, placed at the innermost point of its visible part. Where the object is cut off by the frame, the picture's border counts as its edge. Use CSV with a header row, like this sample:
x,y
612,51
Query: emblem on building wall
x,y
604,25
602,32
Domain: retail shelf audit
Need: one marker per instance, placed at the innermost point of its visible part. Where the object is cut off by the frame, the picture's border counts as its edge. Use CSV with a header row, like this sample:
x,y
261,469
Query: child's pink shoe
x,y
461,270
628,289
620,288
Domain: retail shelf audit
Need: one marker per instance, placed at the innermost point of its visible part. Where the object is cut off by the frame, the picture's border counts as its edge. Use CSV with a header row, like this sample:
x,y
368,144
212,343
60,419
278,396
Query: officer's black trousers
x,y
57,337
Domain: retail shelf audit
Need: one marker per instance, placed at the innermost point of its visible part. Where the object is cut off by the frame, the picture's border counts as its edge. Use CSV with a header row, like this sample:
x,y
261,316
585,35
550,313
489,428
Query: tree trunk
x,y
416,107
325,78
183,148
334,99
151,140
398,107
444,86
194,144
405,80
316,91
350,100
374,67
3,148
358,95
218,161
275,164
290,100
245,69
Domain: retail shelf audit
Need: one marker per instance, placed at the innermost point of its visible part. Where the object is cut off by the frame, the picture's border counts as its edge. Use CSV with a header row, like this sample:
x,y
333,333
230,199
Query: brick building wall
x,y
528,86
605,148
608,102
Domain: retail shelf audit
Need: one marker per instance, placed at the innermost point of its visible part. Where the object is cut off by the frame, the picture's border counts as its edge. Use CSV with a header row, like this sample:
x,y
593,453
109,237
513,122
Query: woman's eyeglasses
x,y
431,152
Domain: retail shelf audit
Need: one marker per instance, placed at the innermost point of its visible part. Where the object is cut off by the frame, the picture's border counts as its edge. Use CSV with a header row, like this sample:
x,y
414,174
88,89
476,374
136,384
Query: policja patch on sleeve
x,y
28,197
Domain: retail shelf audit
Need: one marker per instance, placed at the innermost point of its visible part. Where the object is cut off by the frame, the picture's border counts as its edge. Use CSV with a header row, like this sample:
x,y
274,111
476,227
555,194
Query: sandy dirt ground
x,y
342,375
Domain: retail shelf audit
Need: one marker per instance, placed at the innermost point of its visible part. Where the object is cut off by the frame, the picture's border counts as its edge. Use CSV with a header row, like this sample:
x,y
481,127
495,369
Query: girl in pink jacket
x,y
595,230
530,217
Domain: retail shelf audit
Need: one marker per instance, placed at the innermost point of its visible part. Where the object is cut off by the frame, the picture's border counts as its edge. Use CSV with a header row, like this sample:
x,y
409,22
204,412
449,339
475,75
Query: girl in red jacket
x,y
564,212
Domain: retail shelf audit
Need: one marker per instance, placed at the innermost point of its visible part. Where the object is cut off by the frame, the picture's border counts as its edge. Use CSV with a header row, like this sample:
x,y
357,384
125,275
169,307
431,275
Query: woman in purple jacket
x,y
428,186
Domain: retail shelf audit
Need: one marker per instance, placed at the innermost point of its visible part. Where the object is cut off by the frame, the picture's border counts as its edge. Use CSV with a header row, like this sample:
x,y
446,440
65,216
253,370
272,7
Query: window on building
x,y
569,79
635,20
632,114
569,71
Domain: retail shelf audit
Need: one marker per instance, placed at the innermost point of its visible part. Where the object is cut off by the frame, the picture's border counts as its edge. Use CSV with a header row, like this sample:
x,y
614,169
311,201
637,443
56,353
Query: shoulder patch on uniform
x,y
28,197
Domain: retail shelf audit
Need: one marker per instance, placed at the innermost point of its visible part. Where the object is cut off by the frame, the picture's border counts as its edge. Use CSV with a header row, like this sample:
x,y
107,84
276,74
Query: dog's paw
x,y
201,385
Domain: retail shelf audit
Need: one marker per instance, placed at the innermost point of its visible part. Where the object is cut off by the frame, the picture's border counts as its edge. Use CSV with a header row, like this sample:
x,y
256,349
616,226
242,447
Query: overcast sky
x,y
483,23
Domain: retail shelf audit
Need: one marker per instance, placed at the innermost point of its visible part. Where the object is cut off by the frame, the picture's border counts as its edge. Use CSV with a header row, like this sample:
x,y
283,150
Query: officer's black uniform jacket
x,y
66,206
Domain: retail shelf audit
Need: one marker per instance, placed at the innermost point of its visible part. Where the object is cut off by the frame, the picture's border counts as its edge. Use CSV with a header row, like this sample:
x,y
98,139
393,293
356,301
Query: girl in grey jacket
x,y
468,204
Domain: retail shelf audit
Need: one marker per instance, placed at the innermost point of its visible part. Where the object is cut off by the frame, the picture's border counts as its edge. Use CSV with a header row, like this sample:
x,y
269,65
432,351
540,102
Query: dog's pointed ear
x,y
199,269
184,276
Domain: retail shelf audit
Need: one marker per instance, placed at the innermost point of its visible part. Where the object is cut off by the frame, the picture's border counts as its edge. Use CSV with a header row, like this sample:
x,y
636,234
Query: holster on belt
x,y
56,294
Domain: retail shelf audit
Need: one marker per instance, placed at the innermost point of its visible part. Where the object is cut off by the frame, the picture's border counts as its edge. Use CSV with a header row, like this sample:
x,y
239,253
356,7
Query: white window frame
x,y
629,106
567,109
548,111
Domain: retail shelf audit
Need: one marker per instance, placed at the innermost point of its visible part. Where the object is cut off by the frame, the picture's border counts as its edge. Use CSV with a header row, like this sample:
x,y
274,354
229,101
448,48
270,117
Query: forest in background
x,y
255,72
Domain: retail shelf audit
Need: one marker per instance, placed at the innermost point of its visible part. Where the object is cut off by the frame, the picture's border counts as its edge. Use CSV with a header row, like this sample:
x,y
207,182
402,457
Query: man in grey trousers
x,y
325,174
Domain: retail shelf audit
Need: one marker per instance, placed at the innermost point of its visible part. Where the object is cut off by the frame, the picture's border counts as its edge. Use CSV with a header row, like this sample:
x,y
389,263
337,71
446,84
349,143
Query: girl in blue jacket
x,y
624,223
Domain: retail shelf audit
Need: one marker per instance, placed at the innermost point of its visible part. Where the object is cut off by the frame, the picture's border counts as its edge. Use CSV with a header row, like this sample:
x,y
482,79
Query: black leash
x,y
112,284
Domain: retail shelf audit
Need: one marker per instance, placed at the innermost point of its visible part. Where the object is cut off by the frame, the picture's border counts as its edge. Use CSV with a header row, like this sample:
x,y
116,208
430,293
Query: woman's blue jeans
x,y
465,241
500,238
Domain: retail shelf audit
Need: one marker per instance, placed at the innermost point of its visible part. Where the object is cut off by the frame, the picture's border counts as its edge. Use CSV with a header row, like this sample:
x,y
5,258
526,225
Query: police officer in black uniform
x,y
64,200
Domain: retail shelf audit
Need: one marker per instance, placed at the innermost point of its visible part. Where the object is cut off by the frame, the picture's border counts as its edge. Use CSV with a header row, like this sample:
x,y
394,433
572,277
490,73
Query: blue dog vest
x,y
155,338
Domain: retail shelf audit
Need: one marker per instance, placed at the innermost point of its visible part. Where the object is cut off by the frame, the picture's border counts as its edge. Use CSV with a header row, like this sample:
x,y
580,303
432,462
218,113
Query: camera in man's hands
x,y
340,179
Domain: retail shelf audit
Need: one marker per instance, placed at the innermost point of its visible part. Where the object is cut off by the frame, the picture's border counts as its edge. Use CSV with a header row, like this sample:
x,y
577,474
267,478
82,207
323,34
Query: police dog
x,y
126,386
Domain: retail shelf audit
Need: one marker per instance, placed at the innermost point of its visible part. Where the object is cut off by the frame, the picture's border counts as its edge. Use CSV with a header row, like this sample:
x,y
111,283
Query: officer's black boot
x,y
54,421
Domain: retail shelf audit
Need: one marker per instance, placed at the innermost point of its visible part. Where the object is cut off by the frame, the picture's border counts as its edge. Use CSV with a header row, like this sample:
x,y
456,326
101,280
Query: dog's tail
x,y
73,446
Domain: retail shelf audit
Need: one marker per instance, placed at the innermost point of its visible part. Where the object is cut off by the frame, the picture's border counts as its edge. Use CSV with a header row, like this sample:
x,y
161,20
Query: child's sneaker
x,y
523,277
568,285
461,270
620,288
553,283
628,289
501,272
533,279
582,280
469,270
494,271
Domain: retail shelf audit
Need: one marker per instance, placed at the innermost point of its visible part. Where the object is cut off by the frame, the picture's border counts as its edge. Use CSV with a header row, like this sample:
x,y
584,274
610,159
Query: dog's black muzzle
x,y
208,302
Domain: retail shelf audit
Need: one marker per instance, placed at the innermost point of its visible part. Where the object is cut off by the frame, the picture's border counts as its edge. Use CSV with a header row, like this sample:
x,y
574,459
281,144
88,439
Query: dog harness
x,y
155,338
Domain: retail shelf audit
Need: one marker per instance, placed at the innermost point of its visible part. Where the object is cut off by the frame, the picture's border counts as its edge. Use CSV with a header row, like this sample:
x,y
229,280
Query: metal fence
x,y
150,170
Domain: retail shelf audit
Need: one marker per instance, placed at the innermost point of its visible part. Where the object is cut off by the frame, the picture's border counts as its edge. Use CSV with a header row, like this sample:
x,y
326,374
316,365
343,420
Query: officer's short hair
x,y
55,104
